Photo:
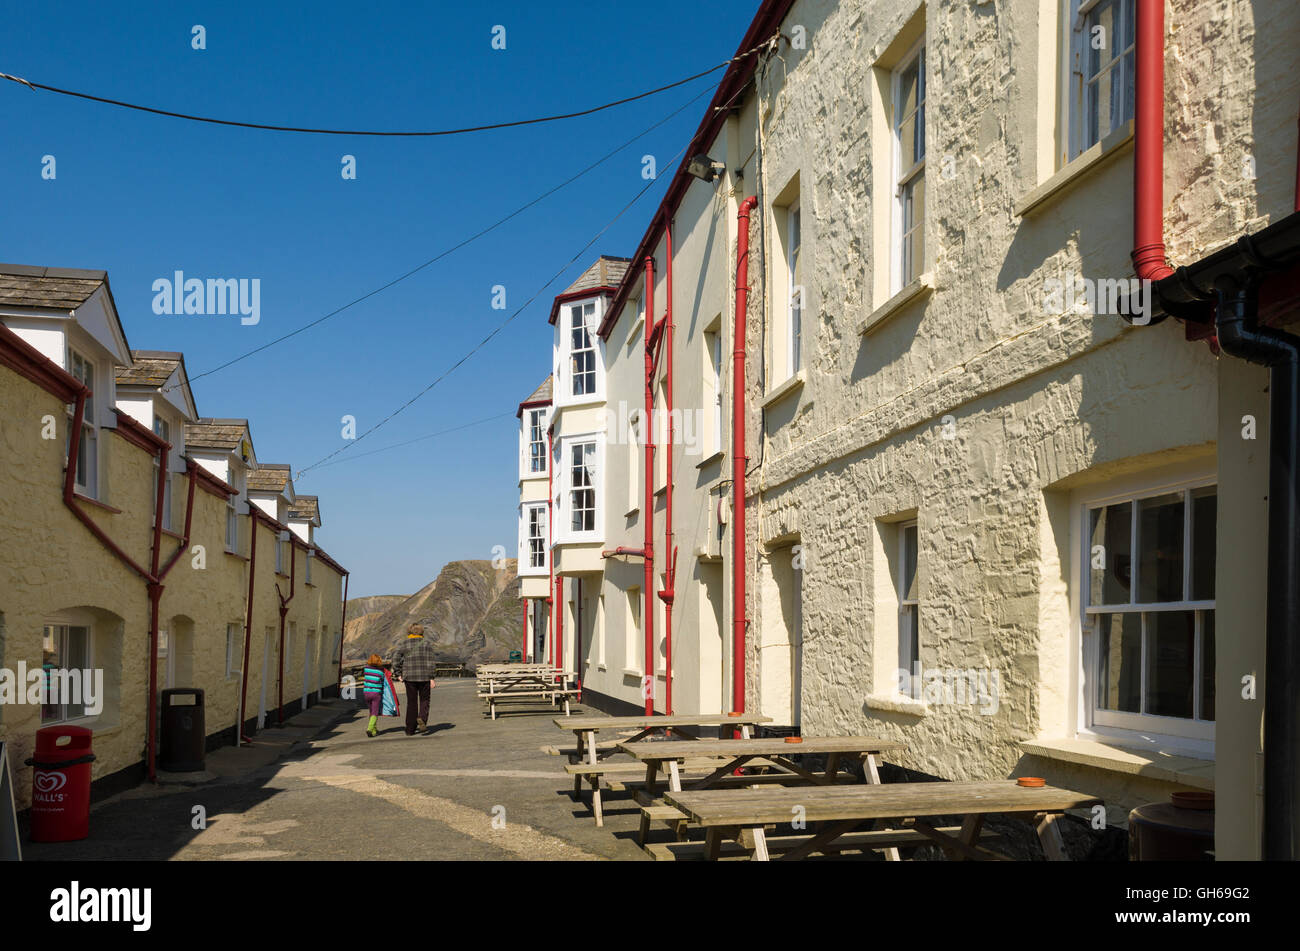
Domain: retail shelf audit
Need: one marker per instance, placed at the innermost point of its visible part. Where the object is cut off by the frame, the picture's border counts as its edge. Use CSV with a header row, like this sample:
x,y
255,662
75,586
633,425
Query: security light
x,y
704,168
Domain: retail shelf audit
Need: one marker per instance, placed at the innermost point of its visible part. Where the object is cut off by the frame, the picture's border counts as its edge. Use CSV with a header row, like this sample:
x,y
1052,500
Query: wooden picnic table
x,y
588,753
499,683
774,751
723,813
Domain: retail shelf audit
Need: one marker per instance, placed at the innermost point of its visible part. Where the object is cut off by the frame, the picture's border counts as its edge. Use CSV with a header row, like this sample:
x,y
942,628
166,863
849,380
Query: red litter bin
x,y
61,784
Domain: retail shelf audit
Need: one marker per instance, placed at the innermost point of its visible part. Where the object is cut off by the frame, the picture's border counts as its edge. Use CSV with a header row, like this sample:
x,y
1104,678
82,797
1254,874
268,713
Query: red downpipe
x,y
558,645
248,626
284,611
152,578
1149,257
647,423
550,536
738,459
577,654
670,551
524,656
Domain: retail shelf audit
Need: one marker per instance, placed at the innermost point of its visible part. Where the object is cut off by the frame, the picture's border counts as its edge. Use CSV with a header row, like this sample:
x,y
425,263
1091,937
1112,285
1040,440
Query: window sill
x,y
917,290
235,554
632,511
896,703
710,460
631,673
95,502
1168,767
1114,145
783,390
170,534
602,668
660,491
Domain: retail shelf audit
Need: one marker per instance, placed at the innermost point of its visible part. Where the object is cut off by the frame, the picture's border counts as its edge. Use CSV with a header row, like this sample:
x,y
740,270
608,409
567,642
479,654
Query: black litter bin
x,y
183,736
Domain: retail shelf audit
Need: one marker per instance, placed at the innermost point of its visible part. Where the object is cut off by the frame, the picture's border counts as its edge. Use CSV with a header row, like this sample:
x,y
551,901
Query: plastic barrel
x,y
183,739
61,784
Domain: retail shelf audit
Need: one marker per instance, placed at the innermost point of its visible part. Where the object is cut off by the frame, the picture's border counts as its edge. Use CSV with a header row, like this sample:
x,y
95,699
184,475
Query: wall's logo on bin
x,y
47,784
54,686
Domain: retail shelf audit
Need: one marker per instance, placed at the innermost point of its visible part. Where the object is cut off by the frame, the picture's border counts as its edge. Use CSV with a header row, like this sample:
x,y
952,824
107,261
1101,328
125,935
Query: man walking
x,y
414,666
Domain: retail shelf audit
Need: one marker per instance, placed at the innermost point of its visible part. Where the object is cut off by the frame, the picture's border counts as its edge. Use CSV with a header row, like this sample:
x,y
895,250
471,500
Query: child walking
x,y
372,689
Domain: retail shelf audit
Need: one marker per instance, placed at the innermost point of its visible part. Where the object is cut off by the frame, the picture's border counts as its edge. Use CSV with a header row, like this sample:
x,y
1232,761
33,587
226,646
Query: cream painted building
x,y
69,601
988,515
534,555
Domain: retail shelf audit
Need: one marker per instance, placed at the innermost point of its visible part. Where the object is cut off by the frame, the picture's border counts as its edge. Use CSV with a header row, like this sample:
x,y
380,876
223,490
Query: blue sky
x,y
142,196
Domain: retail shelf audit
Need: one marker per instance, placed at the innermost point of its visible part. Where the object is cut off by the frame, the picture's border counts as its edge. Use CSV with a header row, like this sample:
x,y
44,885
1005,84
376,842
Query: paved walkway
x,y
469,788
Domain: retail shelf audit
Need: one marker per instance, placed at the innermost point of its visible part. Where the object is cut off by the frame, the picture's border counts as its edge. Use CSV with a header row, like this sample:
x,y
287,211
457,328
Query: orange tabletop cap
x,y
1032,781
794,739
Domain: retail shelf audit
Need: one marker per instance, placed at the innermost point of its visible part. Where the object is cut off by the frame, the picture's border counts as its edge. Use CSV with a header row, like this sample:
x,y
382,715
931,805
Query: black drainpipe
x,y
1229,282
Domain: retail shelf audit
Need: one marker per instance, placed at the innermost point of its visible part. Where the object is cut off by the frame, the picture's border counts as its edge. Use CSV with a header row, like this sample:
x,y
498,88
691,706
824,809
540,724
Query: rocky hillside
x,y
472,612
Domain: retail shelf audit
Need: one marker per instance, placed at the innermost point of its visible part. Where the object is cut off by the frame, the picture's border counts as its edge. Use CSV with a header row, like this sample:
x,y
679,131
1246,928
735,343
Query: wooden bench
x,y
782,845
621,776
841,810
553,694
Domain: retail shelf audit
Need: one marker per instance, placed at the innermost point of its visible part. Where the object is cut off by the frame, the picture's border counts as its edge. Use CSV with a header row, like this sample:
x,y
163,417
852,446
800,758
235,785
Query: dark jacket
x,y
414,659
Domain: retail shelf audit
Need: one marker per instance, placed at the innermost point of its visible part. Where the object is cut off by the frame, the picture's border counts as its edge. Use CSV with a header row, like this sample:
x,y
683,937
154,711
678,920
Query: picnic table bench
x,y
843,809
507,683
592,756
775,753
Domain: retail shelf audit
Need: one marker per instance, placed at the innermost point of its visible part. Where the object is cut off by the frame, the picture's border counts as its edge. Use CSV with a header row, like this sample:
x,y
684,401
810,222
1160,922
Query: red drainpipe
x,y
550,531
248,625
152,577
1149,144
670,552
524,656
557,645
284,611
738,459
648,517
577,624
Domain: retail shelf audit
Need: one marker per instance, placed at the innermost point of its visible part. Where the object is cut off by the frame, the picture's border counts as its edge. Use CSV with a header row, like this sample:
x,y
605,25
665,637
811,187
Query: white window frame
x,y
571,488
527,539
903,269
795,293
64,627
713,344
88,372
1078,89
909,645
1193,735
582,315
535,458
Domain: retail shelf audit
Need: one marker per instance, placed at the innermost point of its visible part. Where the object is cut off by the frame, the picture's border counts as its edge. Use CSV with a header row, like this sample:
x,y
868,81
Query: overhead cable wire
x,y
444,253
501,326
399,445
482,127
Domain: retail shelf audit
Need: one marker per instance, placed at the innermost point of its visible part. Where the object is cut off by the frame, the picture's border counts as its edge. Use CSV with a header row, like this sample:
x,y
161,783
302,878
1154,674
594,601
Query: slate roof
x,y
23,285
222,434
268,477
542,393
152,368
306,506
605,272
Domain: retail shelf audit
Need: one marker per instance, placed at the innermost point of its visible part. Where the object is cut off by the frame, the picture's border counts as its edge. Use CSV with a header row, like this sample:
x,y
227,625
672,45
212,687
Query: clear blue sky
x,y
142,196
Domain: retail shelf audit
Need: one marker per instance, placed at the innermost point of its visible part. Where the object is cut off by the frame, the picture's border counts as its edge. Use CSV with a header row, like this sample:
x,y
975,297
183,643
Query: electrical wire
x,y
442,254
496,330
399,445
31,84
